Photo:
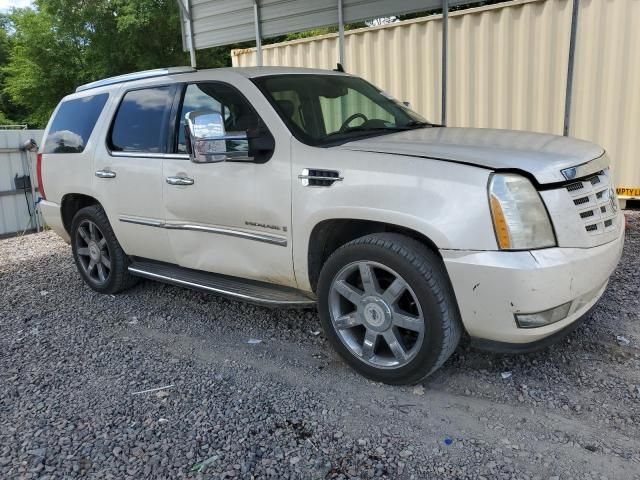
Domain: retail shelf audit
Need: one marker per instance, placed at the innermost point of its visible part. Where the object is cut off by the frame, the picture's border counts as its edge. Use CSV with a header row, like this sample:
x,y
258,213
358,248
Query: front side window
x,y
325,110
72,126
142,121
239,116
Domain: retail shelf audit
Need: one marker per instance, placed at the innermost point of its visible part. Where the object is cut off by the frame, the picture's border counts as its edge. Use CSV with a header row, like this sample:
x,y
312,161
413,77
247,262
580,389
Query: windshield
x,y
323,110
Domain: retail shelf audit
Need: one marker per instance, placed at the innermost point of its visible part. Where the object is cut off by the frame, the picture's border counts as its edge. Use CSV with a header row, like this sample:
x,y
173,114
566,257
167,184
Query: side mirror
x,y
209,141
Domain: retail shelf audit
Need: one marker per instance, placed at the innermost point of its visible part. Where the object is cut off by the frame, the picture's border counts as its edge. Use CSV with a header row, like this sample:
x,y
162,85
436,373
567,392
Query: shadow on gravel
x,y
286,406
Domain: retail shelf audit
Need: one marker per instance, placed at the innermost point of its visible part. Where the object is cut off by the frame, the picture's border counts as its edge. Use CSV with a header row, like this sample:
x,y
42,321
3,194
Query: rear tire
x,y
100,260
387,306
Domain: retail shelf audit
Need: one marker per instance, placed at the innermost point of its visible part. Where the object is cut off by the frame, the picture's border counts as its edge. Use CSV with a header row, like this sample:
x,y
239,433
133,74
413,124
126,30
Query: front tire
x,y
100,260
388,308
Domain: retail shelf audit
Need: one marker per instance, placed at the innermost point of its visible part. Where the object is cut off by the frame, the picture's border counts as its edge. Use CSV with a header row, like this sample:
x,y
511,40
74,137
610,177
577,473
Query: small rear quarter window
x,y
72,126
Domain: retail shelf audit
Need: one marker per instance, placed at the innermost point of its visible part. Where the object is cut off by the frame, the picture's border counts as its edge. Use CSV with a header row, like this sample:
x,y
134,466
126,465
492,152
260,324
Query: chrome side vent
x,y
314,177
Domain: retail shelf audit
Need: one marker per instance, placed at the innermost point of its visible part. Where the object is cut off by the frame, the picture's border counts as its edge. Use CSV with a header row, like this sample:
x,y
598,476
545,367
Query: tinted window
x,y
238,115
333,109
141,121
73,124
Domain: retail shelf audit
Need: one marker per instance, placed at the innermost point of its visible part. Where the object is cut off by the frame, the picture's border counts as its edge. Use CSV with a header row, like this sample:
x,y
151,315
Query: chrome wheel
x,y
93,252
376,314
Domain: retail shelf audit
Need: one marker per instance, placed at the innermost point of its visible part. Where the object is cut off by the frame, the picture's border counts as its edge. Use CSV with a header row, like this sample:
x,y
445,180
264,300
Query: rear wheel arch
x,y
329,235
71,204
96,248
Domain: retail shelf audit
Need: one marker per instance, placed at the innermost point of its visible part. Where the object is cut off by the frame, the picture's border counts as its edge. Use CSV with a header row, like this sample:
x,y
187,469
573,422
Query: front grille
x,y
594,200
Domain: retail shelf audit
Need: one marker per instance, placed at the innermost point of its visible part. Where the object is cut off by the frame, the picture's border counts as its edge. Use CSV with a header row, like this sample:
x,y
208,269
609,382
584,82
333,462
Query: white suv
x,y
291,187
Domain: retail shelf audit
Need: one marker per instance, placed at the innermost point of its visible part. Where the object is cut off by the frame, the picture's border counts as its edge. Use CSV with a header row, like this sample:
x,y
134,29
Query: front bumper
x,y
491,287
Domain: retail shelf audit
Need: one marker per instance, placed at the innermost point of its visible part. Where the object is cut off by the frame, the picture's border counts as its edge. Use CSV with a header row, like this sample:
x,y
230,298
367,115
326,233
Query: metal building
x,y
18,185
560,66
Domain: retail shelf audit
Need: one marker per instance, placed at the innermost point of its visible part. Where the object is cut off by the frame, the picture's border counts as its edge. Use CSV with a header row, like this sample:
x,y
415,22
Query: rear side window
x,y
73,124
141,123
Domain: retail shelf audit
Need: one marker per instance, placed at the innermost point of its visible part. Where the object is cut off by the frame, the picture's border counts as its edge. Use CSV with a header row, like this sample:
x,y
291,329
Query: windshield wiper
x,y
358,129
419,124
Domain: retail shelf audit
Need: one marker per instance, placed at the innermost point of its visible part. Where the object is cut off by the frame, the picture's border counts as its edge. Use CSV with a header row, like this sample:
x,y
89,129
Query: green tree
x,y
61,44
7,109
43,65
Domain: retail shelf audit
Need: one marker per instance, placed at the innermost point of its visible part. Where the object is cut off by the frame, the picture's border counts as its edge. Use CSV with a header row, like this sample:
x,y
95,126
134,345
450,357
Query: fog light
x,y
546,317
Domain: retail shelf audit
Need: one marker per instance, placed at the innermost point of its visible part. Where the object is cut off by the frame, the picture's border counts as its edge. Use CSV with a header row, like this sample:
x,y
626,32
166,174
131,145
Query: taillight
x,y
39,174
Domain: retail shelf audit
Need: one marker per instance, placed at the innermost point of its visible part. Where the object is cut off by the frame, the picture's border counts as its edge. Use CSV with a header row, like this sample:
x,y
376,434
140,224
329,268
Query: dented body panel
x,y
491,287
254,220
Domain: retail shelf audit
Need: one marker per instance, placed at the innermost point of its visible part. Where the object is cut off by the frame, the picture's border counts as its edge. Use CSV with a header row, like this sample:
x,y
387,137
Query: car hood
x,y
542,155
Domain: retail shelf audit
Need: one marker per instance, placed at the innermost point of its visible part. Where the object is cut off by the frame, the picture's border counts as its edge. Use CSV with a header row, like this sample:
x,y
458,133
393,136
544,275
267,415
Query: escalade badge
x,y
264,225
612,201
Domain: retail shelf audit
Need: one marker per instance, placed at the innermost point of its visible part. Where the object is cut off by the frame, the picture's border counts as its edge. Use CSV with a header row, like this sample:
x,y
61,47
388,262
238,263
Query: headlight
x,y
519,218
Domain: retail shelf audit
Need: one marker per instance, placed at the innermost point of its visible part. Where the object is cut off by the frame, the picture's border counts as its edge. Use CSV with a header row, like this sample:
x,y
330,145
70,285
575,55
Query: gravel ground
x,y
72,361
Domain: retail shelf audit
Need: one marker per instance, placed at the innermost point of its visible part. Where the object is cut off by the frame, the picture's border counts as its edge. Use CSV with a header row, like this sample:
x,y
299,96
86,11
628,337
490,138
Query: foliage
x,y
7,108
46,51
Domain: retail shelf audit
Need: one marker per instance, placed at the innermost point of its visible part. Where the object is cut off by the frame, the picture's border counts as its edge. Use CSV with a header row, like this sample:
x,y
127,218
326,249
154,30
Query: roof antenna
x,y
339,68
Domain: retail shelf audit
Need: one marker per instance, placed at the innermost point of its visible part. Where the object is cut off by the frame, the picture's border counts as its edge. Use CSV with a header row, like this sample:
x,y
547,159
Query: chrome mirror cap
x,y
209,140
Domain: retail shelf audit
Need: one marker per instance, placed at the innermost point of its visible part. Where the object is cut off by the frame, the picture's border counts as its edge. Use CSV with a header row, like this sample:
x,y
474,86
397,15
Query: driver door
x,y
231,217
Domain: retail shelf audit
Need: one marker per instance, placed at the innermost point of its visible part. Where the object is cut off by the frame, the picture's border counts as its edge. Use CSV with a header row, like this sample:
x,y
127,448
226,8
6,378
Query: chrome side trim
x,y
141,221
587,168
185,283
258,237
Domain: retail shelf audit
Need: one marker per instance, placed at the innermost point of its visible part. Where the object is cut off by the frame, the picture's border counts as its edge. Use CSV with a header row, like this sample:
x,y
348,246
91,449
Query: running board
x,y
251,291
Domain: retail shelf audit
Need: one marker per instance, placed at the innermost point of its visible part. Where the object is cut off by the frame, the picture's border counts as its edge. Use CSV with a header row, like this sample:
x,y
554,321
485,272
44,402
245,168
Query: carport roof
x,y
210,23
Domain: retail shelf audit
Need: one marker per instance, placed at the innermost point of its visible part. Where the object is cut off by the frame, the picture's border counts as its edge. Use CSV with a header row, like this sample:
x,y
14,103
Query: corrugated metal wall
x,y
508,66
410,74
606,88
14,213
507,69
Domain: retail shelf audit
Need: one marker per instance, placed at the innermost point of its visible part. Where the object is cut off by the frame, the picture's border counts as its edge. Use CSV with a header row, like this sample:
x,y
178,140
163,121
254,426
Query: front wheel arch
x,y
419,268
329,235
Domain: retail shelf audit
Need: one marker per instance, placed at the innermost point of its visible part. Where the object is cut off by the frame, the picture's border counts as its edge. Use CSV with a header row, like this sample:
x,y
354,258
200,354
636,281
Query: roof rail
x,y
129,77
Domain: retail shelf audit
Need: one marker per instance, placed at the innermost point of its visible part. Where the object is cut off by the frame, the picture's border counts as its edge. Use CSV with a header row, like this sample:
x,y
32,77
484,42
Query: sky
x,y
6,5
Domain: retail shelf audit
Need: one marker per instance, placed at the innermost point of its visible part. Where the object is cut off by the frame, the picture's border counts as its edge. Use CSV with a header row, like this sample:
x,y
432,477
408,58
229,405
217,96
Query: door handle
x,y
105,174
179,181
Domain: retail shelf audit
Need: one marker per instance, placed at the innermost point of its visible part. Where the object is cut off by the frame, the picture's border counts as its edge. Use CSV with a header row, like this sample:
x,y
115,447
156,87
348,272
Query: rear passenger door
x,y
128,170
